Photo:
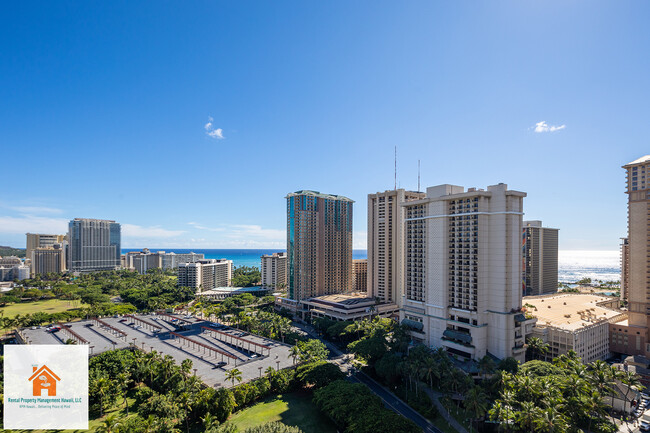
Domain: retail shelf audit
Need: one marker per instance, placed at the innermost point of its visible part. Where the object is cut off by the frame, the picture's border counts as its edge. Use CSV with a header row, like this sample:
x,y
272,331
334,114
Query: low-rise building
x,y
205,274
20,272
579,322
7,265
342,306
360,276
274,270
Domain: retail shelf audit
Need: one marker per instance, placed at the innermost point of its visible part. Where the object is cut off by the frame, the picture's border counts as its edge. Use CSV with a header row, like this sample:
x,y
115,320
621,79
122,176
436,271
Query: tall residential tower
x,y
386,243
94,245
638,252
463,270
274,270
319,244
540,259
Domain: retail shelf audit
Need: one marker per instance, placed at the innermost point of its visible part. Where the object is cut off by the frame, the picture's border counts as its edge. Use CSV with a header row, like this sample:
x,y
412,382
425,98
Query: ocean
x,y
572,266
239,257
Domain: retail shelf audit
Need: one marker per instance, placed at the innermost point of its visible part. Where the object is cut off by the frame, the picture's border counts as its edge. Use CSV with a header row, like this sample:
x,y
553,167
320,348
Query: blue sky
x,y
105,106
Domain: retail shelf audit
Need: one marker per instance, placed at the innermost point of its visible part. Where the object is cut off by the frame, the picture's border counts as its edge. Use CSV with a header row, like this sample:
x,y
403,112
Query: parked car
x,y
644,426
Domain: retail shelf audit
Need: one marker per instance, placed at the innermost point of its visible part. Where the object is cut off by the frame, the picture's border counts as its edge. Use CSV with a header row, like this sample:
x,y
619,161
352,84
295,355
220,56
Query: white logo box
x,y
53,369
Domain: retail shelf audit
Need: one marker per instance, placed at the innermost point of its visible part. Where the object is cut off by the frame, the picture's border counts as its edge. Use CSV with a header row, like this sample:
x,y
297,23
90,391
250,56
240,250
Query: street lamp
x,y
260,369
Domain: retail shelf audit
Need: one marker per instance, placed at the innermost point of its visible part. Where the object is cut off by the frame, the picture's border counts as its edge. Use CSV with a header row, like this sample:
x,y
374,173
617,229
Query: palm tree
x,y
109,425
294,353
632,381
476,402
536,348
123,384
501,413
526,416
486,366
102,386
234,374
429,370
550,421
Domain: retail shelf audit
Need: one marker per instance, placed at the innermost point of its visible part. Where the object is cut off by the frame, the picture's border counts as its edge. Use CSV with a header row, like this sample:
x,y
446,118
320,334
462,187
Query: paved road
x,y
390,400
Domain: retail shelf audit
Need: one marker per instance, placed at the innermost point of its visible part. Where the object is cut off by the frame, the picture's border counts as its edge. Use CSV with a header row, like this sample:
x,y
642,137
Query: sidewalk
x,y
435,396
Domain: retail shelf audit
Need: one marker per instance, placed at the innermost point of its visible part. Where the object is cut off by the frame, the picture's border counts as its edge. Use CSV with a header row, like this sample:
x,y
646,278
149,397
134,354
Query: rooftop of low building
x,y
570,311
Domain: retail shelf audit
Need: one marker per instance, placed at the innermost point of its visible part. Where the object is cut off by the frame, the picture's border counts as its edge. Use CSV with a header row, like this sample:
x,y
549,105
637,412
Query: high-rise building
x,y
94,245
274,270
625,266
540,246
386,244
172,260
205,274
319,244
638,251
360,275
48,260
142,261
463,271
37,240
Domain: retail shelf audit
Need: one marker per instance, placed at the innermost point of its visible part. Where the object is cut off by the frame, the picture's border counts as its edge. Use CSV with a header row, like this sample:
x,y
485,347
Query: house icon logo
x,y
43,380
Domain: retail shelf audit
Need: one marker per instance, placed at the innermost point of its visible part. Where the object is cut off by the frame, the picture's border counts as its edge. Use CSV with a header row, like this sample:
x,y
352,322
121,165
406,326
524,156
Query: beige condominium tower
x,y
637,287
386,243
319,244
463,271
39,240
540,250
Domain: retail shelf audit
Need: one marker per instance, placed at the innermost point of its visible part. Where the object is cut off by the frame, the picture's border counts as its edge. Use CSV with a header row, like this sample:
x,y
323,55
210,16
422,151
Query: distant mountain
x,y
9,251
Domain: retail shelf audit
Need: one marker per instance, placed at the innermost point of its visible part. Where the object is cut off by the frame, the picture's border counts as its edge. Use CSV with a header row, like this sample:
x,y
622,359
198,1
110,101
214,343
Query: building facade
x,y
540,251
462,287
274,270
386,229
20,272
95,245
578,322
638,253
172,260
360,275
7,265
48,260
625,266
38,240
205,274
319,244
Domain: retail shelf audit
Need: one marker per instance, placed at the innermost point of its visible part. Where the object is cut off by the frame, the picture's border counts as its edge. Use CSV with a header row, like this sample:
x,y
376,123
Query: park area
x,y
294,409
46,306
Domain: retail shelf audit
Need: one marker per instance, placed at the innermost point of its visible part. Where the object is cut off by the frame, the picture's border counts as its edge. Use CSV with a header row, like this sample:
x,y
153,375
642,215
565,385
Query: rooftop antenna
x,y
418,175
395,168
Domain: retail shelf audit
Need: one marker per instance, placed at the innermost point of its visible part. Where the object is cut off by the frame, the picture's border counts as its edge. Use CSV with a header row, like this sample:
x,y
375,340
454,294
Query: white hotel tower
x,y
463,271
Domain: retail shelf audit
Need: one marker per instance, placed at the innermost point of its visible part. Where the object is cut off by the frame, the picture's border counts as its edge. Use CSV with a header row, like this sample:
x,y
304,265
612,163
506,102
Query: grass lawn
x,y
46,306
295,409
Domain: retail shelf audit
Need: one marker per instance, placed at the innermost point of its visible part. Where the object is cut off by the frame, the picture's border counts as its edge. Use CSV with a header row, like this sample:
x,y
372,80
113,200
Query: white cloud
x,y
545,127
32,224
30,210
149,232
244,236
202,227
210,130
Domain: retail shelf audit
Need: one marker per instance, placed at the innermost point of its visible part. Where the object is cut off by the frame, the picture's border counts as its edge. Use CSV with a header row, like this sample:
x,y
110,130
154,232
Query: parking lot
x,y
213,348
